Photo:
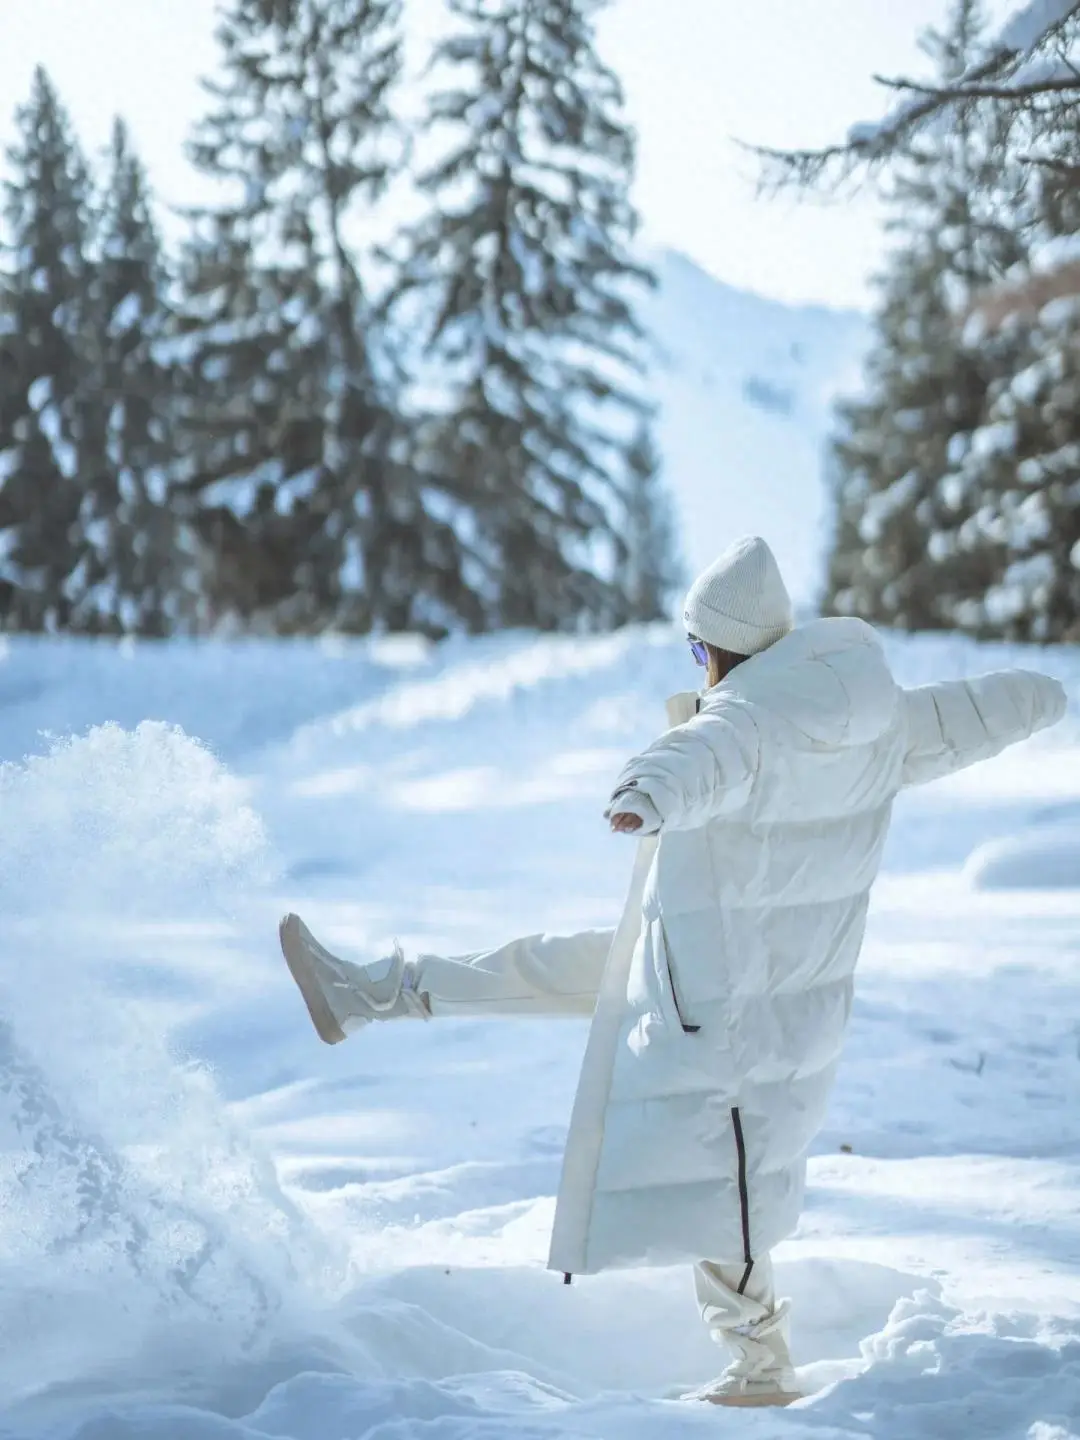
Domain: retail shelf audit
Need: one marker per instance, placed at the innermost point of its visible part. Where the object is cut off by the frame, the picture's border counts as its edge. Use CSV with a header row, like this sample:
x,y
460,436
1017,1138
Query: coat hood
x,y
829,680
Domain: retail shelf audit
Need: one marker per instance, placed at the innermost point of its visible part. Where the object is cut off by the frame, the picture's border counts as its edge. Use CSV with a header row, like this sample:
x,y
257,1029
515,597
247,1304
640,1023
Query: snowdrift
x,y
142,1234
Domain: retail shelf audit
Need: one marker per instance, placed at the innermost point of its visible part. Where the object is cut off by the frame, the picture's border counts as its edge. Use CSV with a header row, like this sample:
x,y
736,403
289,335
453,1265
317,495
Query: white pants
x,y
537,975
560,975
723,1308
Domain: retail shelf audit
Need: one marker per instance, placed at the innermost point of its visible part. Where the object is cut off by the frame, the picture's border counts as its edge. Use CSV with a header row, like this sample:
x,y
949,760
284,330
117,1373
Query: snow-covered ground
x,y
213,1228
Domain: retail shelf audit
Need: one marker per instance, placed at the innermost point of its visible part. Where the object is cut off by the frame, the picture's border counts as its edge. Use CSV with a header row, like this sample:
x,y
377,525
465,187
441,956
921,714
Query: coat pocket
x,y
673,987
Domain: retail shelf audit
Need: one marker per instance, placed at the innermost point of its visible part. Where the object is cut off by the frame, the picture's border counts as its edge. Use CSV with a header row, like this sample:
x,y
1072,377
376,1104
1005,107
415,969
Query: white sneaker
x,y
762,1373
342,997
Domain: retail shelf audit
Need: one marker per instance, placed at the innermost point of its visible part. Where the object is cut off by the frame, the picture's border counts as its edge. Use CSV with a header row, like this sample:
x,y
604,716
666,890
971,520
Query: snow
x,y
126,315
1031,522
1026,583
1027,383
51,425
40,392
997,438
213,1228
1047,256
880,508
733,465
1026,29
215,368
952,488
1030,24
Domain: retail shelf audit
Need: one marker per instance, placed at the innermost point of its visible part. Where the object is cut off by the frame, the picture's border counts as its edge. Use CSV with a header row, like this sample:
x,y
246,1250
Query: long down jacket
x,y
728,986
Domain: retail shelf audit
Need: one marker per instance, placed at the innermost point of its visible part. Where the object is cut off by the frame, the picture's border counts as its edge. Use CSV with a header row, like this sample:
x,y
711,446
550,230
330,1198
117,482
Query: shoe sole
x,y
747,1402
298,959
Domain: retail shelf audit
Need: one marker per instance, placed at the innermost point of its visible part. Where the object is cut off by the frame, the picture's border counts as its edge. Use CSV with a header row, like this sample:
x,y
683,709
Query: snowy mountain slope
x,y
745,386
213,1228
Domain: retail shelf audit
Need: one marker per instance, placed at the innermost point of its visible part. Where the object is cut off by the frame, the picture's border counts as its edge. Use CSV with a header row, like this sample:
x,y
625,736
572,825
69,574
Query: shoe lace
x,y
402,988
755,1358
414,1000
406,994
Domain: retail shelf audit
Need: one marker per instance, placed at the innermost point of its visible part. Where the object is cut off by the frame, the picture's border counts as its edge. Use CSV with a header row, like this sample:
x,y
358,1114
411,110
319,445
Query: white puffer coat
x,y
729,983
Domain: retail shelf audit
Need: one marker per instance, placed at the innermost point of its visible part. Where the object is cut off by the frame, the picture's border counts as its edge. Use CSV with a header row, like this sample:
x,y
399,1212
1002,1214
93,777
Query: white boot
x,y
342,997
762,1373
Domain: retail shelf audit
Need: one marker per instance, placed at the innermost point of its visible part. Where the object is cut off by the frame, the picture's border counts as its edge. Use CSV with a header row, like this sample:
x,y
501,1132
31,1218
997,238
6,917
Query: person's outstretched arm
x,y
695,772
958,722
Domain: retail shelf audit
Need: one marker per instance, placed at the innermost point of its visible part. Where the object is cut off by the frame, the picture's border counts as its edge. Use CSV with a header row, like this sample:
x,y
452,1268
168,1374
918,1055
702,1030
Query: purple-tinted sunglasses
x,y
699,650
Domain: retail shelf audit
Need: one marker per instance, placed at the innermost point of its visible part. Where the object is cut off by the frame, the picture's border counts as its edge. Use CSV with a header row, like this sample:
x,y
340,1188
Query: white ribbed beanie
x,y
740,603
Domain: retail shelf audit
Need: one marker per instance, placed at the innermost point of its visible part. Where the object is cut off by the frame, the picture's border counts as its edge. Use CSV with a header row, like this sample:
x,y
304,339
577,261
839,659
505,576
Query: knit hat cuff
x,y
739,637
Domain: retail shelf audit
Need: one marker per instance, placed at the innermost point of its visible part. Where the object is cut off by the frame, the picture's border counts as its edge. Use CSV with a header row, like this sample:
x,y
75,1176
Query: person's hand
x,y
625,824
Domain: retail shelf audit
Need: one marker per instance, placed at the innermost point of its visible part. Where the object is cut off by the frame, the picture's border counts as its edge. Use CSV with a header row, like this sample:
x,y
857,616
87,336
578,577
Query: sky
x,y
699,76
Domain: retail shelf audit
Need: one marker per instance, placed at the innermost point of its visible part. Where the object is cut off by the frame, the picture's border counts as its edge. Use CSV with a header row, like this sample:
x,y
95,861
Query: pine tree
x,y
48,399
246,436
131,580
1019,532
1016,480
653,567
925,389
286,413
892,448
517,289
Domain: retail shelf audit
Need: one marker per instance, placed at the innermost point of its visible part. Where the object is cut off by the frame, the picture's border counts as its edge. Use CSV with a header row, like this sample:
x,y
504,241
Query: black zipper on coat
x,y
744,1198
687,1029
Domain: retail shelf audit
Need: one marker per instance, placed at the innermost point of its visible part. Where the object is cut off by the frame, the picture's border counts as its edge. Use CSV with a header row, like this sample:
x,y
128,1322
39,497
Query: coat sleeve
x,y
633,801
697,771
959,722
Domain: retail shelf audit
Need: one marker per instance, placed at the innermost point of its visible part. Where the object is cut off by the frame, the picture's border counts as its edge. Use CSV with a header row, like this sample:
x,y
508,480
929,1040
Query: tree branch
x,y
867,145
940,96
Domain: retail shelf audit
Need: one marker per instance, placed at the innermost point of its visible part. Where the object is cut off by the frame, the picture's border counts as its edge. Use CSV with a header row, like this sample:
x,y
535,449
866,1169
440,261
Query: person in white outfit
x,y
720,1000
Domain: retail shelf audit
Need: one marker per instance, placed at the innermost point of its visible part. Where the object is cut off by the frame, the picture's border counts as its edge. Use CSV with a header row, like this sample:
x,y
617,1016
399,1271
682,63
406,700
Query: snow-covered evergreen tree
x,y
246,422
285,411
517,288
892,448
1016,480
47,394
653,568
132,574
955,225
